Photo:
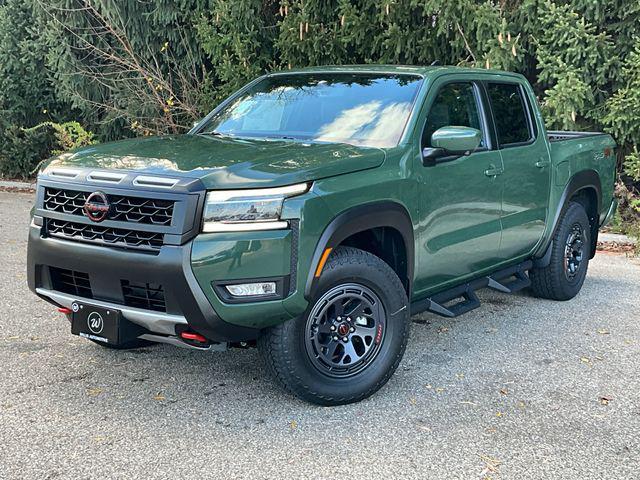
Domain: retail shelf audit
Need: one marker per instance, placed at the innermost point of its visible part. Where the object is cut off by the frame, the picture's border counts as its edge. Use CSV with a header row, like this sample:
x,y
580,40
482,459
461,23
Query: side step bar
x,y
462,298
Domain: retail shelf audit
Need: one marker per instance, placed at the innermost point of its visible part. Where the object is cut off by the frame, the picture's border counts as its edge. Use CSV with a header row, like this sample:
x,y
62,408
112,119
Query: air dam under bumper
x,y
187,306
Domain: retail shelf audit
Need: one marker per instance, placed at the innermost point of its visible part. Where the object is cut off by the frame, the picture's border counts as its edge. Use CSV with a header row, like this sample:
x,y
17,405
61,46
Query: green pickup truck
x,y
313,212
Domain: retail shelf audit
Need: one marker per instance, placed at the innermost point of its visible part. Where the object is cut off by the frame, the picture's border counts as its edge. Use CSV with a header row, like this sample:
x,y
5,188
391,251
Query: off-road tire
x,y
283,346
551,282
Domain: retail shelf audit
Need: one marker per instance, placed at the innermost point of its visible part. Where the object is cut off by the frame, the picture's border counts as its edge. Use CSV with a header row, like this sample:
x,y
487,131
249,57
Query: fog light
x,y
252,289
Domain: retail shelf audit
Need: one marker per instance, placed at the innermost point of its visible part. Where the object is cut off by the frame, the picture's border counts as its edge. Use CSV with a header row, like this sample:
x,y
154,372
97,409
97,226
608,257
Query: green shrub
x,y
68,135
631,165
23,149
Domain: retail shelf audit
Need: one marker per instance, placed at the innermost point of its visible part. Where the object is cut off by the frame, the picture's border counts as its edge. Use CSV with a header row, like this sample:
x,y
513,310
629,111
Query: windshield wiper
x,y
213,133
283,137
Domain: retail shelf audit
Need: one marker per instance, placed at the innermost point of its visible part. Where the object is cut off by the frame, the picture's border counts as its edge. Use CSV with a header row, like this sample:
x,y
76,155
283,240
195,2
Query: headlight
x,y
246,210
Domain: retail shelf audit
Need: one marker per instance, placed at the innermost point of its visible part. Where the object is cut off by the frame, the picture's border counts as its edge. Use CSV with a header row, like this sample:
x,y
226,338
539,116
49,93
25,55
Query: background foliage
x,y
139,67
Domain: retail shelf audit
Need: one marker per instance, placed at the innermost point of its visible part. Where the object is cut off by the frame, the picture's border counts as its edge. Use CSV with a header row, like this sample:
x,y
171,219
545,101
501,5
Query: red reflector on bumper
x,y
65,310
196,337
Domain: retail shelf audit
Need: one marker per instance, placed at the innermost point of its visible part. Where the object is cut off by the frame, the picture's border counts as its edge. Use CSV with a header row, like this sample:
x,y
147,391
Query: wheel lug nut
x,y
345,339
352,329
335,338
332,328
339,318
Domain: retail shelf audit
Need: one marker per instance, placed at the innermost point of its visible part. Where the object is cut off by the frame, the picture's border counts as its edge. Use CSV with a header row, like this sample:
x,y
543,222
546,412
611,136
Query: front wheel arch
x,y
385,214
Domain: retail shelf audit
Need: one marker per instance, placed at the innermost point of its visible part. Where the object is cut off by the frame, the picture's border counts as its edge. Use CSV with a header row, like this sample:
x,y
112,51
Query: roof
x,y
397,69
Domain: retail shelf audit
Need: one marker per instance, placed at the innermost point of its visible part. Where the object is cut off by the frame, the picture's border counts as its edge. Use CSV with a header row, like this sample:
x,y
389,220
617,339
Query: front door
x,y
460,199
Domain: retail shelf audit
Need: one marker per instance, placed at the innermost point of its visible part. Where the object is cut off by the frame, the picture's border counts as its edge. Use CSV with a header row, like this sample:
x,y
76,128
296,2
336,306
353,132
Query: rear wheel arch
x,y
371,227
584,182
585,188
590,201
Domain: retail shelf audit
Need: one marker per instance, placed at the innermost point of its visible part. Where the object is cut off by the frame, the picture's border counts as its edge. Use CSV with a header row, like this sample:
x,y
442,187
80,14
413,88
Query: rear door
x,y
527,170
460,199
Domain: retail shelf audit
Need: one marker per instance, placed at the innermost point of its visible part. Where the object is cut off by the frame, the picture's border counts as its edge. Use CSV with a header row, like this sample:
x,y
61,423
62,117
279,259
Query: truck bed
x,y
573,152
560,135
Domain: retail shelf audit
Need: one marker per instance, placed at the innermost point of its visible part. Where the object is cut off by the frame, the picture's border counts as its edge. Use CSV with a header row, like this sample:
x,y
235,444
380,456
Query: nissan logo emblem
x,y
96,207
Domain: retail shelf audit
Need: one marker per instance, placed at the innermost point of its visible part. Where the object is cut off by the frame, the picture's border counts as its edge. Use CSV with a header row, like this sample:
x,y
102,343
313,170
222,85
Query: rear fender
x,y
585,179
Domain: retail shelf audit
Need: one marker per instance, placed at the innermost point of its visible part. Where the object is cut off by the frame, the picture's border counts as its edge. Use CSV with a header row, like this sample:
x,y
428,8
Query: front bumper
x,y
187,307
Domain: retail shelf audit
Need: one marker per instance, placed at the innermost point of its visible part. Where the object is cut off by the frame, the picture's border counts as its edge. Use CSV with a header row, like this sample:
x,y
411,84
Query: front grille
x,y
146,211
69,281
117,237
64,201
149,296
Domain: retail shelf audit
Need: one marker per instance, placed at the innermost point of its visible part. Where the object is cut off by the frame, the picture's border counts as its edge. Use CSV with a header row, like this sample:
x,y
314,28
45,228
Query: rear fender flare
x,y
580,181
359,219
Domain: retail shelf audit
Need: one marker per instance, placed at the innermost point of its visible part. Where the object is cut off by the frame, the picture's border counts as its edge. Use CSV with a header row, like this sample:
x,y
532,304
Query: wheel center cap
x,y
343,329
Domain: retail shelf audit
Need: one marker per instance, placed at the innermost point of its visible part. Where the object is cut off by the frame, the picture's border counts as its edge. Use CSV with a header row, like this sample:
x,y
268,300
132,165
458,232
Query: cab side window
x,y
455,105
510,113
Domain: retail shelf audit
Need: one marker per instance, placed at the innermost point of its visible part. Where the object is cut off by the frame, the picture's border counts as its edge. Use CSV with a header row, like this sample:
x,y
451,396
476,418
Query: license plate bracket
x,y
102,324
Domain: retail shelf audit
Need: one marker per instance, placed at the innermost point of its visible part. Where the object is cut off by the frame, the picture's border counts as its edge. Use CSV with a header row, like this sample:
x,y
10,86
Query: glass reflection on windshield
x,y
360,109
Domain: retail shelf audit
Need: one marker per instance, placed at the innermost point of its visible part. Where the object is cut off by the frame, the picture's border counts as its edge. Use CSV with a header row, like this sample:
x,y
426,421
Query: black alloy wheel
x,y
573,252
351,338
564,276
345,329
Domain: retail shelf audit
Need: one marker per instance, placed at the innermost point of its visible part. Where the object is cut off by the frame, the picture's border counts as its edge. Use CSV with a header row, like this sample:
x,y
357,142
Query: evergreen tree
x,y
129,66
132,67
237,38
27,96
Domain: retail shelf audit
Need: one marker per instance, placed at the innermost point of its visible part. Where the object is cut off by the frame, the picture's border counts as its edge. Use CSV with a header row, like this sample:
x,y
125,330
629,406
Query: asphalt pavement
x,y
520,388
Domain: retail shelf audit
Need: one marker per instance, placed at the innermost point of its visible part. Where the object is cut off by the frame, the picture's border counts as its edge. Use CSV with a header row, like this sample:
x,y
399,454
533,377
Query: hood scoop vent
x,y
64,173
106,177
159,182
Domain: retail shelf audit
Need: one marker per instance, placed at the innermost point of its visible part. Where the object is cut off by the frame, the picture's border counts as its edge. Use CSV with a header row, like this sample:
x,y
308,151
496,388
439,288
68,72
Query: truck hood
x,y
224,162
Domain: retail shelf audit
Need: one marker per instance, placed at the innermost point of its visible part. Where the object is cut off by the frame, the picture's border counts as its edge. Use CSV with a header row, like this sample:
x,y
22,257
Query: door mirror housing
x,y
451,142
457,140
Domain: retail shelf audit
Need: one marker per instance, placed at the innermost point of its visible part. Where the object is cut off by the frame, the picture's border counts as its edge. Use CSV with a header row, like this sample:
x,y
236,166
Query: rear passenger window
x,y
510,113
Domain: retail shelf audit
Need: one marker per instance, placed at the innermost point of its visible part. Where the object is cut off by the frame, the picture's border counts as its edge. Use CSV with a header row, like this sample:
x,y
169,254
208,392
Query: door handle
x,y
493,171
543,163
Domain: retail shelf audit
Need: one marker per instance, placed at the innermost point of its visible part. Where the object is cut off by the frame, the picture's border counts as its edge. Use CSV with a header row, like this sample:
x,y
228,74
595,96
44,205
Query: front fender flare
x,y
359,219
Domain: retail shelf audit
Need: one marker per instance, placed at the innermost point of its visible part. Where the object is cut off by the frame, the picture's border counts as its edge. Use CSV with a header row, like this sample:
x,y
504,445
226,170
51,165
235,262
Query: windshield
x,y
355,108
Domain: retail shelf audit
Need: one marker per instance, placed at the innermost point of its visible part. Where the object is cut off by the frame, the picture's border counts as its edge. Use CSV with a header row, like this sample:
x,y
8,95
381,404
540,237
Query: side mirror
x,y
451,141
